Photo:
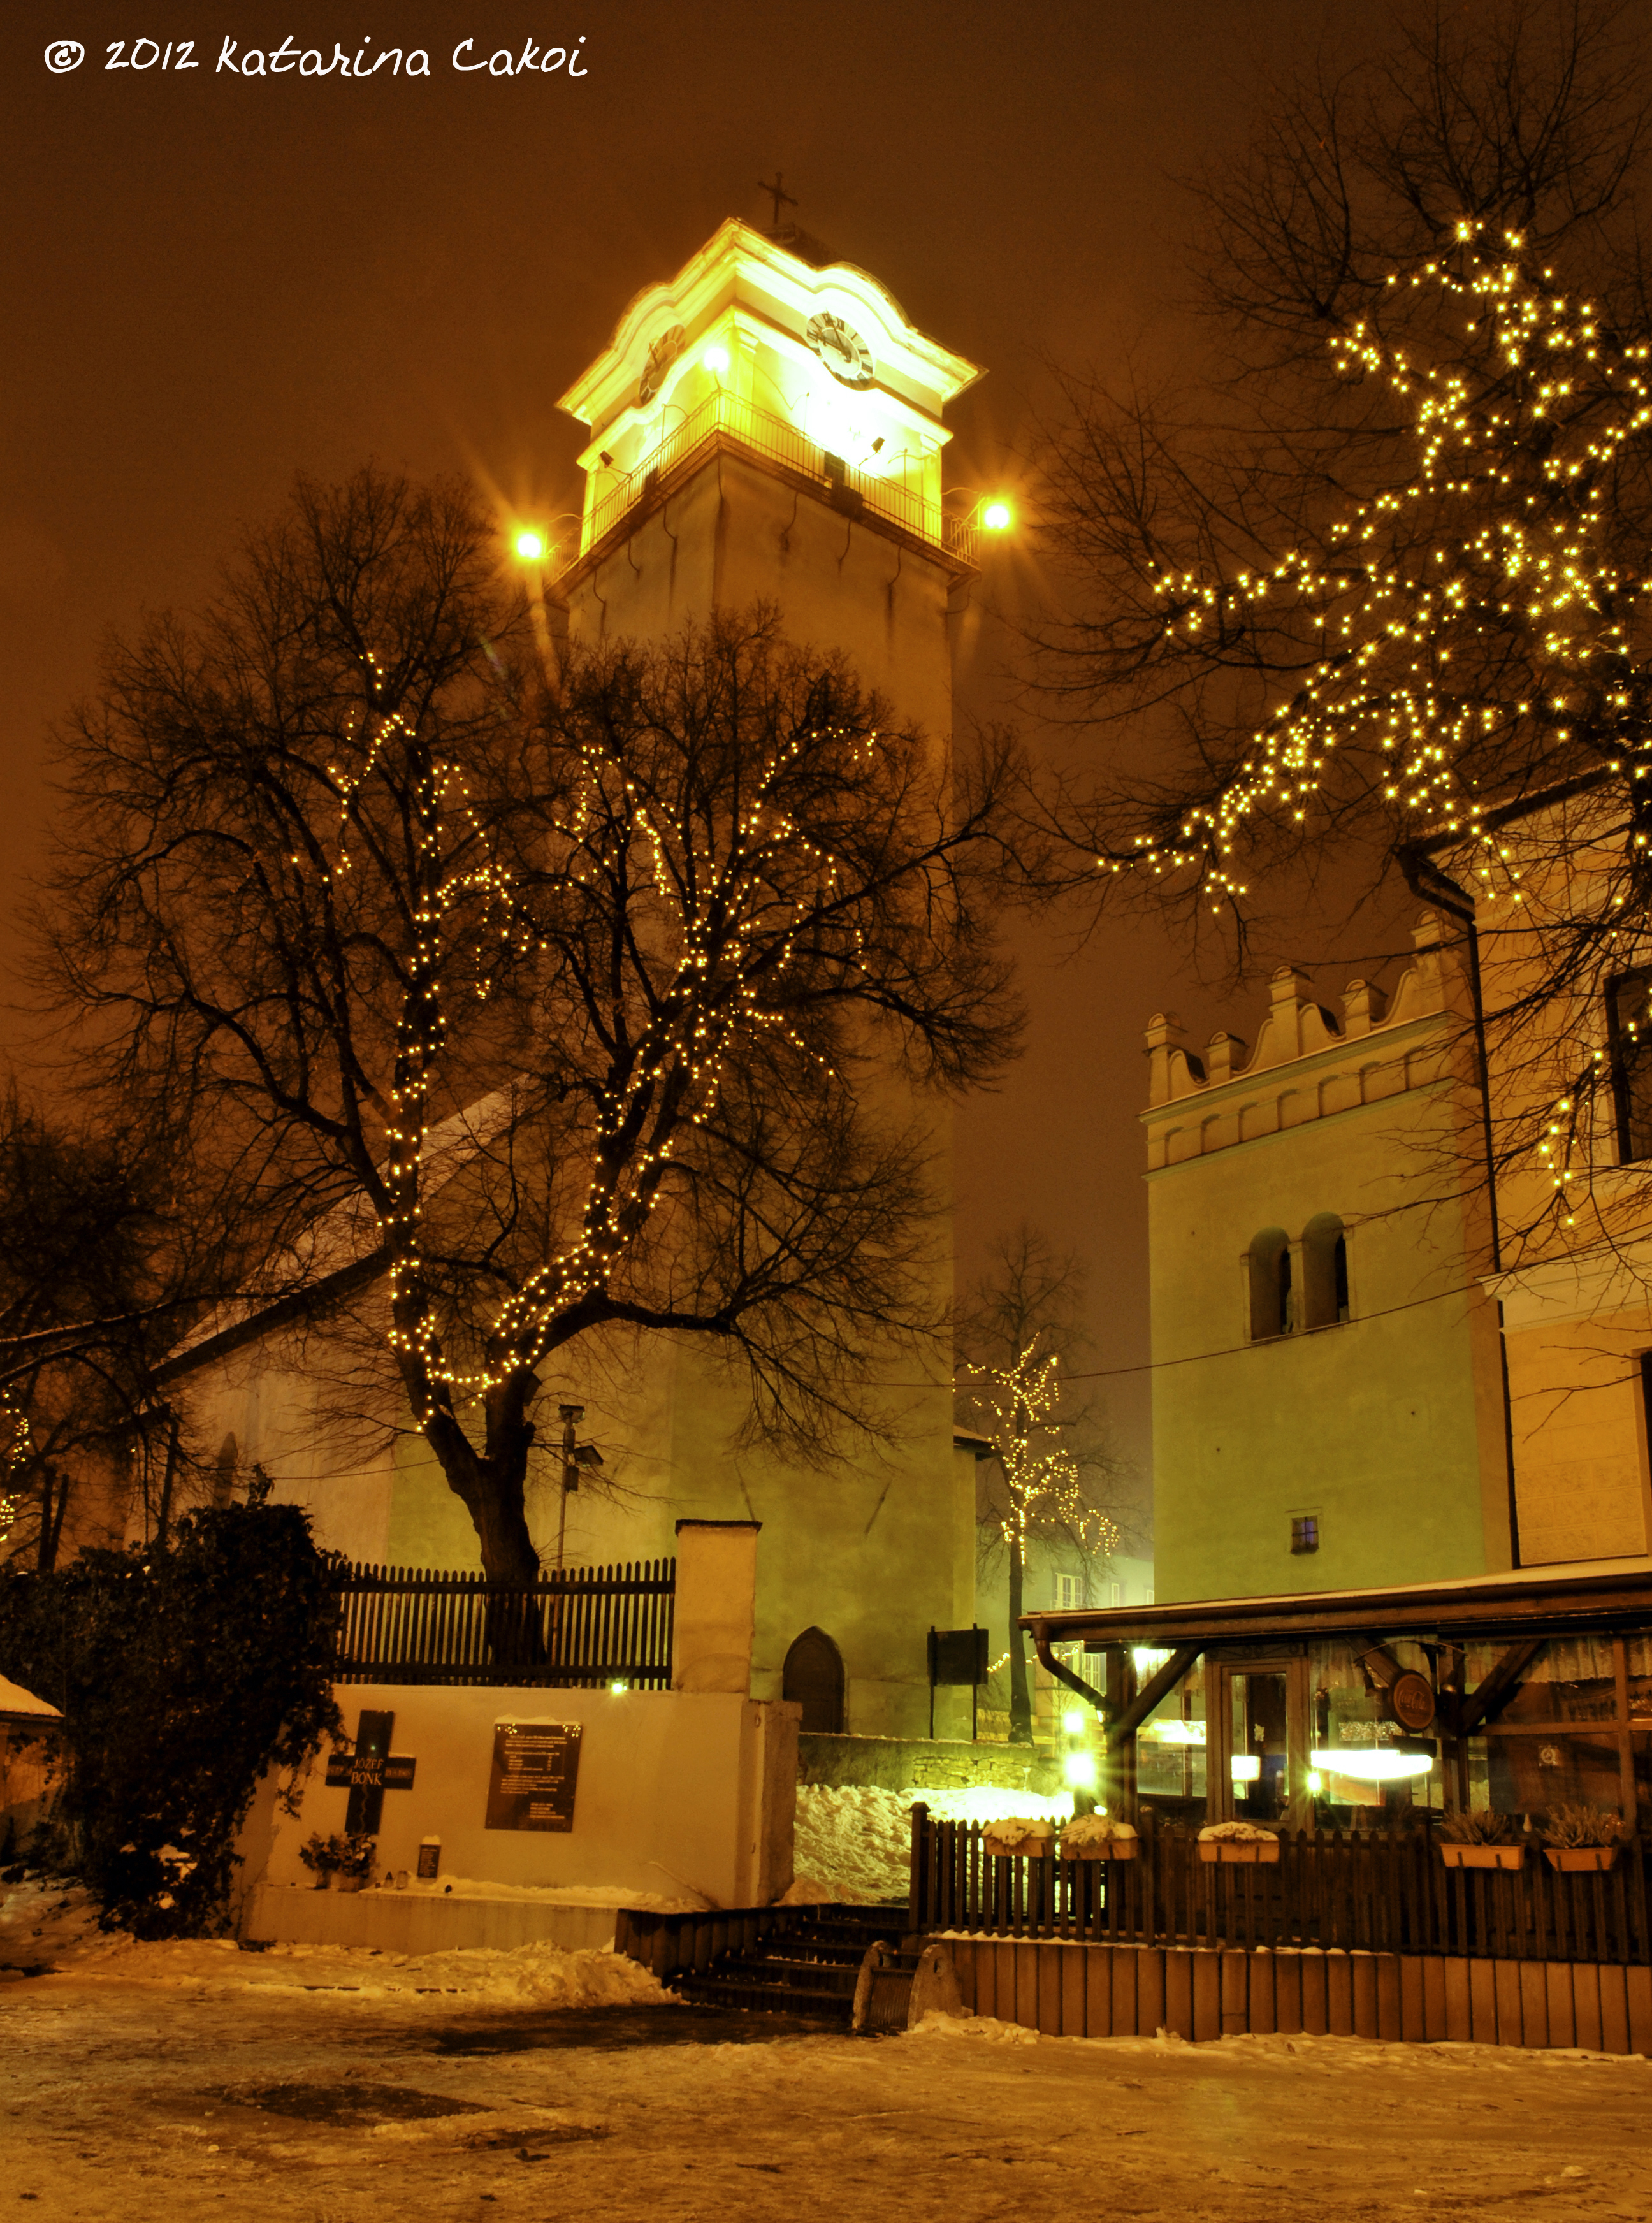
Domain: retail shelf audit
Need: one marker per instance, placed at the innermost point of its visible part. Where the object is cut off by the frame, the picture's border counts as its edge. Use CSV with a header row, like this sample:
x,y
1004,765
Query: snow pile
x,y
1239,1833
984,2027
853,1842
547,1894
54,1927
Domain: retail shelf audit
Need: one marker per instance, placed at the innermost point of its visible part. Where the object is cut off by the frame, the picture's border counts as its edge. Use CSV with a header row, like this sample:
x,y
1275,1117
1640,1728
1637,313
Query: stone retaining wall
x,y
924,1763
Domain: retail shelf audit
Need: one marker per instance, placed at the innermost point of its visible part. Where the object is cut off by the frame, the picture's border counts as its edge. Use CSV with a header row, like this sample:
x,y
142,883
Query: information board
x,y
535,1772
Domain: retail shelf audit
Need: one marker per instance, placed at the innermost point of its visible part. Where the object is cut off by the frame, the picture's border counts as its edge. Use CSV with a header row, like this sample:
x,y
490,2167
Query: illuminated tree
x,y
526,1008
1055,1479
1373,599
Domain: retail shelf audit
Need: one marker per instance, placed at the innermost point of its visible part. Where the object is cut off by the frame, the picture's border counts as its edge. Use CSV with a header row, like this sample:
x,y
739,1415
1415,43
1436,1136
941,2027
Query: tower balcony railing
x,y
724,416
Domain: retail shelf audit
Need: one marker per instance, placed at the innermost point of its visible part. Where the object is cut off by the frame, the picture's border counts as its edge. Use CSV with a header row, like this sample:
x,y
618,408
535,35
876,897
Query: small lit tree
x,y
1054,1480
1017,1409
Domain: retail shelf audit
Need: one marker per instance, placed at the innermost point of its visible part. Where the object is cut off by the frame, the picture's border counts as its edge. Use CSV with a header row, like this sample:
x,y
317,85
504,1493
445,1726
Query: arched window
x,y
1325,1271
1272,1309
813,1678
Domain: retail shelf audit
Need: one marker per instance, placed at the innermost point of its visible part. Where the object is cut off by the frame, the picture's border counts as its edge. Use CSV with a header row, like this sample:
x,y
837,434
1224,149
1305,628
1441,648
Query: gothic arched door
x,y
813,1676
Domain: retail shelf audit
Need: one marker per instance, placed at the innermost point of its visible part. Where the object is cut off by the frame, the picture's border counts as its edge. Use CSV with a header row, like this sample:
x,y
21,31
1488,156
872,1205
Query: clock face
x,y
661,355
840,348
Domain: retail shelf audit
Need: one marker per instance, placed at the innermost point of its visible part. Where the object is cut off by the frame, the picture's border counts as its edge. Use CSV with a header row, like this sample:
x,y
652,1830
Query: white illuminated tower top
x,y
762,427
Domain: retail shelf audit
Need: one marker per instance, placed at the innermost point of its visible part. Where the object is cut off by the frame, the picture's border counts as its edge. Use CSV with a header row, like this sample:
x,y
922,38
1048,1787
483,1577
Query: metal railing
x,y
725,416
1377,1891
585,1625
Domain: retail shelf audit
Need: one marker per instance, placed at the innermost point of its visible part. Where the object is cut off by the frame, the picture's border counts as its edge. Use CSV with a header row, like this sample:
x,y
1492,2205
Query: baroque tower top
x,y
818,370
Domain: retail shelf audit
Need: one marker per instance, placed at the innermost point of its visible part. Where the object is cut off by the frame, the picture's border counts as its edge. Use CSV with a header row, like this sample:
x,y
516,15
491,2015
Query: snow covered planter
x,y
1094,1837
1231,1842
1019,1834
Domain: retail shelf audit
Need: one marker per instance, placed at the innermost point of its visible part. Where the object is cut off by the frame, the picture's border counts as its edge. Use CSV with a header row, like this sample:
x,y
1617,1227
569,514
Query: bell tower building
x,y
766,426
763,428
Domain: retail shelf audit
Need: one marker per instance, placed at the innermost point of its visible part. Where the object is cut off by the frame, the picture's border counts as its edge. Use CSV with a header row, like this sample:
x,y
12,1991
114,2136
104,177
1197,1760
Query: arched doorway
x,y
813,1678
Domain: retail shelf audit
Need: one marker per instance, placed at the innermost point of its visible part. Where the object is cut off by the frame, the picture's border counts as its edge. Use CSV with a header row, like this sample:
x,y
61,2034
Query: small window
x,y
1304,1532
1629,1016
1115,1593
1147,1594
1325,1271
1069,1593
1272,1307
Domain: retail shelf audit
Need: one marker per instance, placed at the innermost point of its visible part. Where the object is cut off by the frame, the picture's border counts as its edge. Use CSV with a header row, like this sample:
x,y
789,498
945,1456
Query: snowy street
x,y
183,2081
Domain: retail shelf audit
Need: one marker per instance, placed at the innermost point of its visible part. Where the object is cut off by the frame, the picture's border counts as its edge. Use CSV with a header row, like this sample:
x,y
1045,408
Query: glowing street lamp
x,y
997,516
531,546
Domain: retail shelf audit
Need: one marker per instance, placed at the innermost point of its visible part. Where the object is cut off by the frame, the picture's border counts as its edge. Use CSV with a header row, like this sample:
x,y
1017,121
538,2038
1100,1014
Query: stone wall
x,y
904,1763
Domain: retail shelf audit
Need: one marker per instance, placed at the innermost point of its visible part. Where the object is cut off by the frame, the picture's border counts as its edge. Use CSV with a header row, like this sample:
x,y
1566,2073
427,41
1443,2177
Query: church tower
x,y
766,426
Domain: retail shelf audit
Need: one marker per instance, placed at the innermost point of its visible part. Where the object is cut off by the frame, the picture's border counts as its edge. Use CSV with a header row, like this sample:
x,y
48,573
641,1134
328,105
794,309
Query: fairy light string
x,y
730,902
1493,562
1525,450
1019,1409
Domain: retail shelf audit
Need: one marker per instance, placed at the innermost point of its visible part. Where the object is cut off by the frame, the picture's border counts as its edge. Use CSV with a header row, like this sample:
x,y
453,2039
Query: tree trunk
x,y
1020,1692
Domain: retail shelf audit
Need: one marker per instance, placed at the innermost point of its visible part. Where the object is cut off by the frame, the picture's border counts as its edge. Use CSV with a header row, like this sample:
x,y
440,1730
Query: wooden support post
x,y
1625,1736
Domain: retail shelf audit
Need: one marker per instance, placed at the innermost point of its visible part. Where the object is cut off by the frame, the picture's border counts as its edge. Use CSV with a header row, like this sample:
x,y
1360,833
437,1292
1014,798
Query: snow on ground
x,y
855,1842
54,1926
124,2103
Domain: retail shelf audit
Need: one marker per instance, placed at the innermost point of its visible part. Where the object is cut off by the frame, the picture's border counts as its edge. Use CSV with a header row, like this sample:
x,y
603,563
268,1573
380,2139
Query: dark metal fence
x,y
1380,1891
585,1625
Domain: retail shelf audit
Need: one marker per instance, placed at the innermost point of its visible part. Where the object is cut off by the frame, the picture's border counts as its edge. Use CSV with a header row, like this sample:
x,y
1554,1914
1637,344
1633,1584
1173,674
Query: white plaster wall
x,y
676,1788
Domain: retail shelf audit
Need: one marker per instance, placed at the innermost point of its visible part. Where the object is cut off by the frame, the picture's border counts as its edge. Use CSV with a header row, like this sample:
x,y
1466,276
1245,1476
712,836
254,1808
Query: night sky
x,y
211,282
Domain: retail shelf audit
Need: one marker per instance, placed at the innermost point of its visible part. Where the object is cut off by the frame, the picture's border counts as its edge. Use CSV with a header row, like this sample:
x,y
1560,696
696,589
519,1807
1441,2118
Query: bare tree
x,y
1373,596
1055,1478
553,1003
97,1276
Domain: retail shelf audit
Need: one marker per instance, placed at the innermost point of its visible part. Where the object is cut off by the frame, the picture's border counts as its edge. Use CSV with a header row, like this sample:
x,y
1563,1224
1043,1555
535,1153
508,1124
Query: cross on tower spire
x,y
778,194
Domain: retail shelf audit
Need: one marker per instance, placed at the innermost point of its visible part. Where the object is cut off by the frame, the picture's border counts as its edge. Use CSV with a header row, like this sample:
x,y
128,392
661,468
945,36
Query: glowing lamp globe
x,y
530,546
996,516
715,360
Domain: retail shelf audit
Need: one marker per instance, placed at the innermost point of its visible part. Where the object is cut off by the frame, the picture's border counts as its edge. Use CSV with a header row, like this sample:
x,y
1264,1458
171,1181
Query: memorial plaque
x,y
535,1771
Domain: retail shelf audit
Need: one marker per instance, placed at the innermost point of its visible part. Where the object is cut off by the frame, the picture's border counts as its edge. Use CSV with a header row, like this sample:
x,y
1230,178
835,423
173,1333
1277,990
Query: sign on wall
x,y
535,1772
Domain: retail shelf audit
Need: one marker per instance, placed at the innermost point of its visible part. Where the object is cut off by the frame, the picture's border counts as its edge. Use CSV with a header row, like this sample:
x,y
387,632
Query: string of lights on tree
x,y
678,1060
1499,540
1018,1409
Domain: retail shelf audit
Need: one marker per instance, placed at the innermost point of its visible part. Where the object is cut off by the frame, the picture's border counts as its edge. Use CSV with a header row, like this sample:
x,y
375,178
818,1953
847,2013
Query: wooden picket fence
x,y
581,1626
1373,1891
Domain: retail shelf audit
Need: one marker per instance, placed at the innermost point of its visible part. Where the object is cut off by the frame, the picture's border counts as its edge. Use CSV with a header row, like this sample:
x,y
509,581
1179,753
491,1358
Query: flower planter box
x,y
1103,1849
350,1883
1580,1860
1483,1856
1240,1851
1036,1849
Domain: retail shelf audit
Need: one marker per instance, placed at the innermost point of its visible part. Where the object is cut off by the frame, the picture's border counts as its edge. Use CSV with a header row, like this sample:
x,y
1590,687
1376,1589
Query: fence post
x,y
917,1899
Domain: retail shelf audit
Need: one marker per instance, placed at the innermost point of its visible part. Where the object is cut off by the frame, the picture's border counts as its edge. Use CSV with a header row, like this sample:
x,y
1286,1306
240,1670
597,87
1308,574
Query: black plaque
x,y
957,1655
535,1771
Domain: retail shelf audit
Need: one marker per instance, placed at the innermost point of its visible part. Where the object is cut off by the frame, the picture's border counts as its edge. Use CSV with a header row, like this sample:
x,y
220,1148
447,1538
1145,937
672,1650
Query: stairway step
x,y
772,1999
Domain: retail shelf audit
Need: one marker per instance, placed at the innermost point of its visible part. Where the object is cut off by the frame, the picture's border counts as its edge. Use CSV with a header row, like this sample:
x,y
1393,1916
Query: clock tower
x,y
765,429
765,426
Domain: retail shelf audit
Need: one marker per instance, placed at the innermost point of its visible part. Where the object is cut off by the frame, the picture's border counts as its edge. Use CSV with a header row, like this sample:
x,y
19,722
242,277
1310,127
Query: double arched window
x,y
1282,1300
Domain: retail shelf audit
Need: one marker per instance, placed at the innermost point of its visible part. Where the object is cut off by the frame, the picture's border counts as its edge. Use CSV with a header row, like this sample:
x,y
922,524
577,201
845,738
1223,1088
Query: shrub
x,y
1479,1825
184,1671
1576,1826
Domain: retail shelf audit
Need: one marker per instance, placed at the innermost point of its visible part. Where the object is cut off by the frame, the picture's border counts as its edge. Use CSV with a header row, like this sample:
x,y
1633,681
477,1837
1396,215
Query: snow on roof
x,y
16,1703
